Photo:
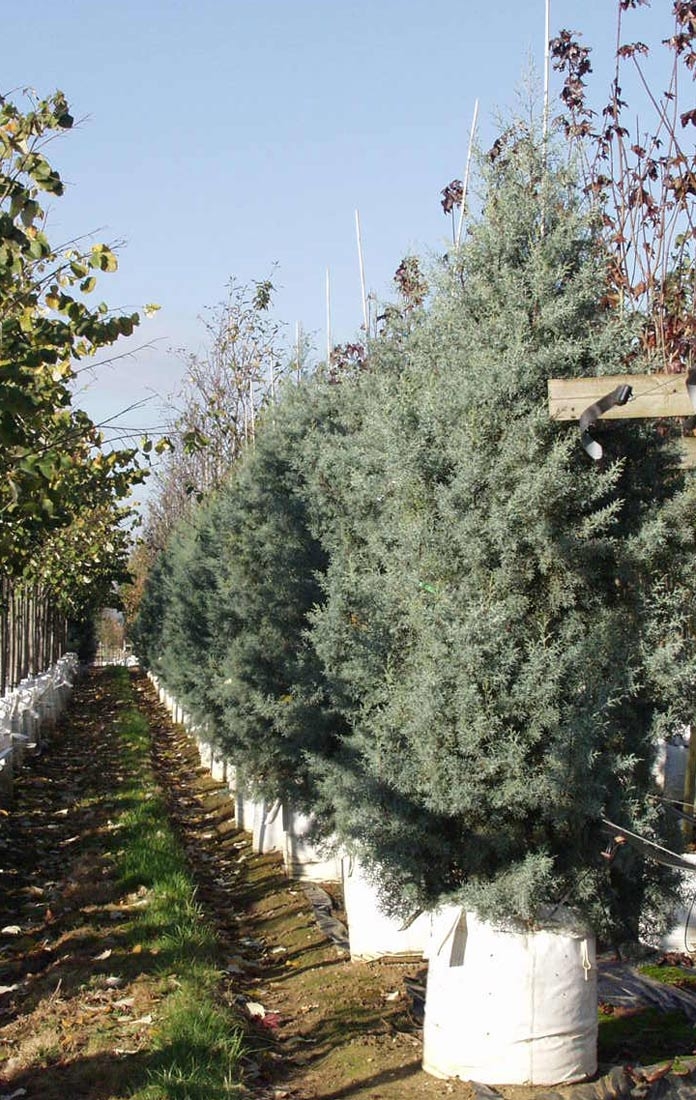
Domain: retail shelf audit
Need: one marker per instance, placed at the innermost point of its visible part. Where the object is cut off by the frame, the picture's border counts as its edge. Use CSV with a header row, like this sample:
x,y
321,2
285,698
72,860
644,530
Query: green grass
x,y
198,1041
645,1037
669,975
649,1036
198,1055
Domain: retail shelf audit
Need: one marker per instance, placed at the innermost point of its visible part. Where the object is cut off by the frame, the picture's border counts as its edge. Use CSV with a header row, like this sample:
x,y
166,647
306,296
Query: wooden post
x,y
654,395
547,37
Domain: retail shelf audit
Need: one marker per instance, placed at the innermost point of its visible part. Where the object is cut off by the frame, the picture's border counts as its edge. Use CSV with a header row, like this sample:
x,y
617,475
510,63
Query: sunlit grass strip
x,y
198,1040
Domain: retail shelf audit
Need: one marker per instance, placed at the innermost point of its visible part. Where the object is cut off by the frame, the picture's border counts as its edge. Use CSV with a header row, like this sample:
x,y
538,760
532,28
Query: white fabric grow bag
x,y
373,934
244,806
510,1007
218,765
303,859
268,831
670,765
27,711
681,934
205,749
6,769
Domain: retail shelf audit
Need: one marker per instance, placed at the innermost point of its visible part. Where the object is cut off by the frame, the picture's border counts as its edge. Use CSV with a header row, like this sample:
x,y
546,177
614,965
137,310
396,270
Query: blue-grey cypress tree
x,y
491,592
268,683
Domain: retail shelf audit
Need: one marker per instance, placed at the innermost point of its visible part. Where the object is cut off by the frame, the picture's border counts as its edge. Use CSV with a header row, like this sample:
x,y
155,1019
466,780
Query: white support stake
x,y
366,318
547,37
252,411
328,317
272,381
465,186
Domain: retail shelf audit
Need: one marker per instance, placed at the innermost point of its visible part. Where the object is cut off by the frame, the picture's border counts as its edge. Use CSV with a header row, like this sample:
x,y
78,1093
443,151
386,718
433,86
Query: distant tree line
x,y
64,517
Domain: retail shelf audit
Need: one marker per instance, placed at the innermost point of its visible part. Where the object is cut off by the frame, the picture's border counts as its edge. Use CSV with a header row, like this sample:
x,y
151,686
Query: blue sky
x,y
221,138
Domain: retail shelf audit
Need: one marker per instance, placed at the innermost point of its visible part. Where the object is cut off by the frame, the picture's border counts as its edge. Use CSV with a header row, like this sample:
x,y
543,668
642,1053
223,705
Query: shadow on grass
x,y
87,1076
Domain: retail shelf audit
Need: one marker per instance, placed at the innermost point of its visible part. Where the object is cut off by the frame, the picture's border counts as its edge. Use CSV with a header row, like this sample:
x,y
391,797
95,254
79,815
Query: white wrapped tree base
x,y
27,712
671,763
245,805
6,770
303,860
218,765
681,933
267,830
510,1007
372,933
205,753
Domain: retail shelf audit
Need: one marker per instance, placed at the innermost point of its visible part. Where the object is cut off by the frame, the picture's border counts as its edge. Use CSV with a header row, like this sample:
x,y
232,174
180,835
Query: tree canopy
x,y
62,493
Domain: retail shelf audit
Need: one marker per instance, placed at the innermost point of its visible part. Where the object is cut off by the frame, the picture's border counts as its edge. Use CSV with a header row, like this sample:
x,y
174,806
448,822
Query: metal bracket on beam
x,y
619,396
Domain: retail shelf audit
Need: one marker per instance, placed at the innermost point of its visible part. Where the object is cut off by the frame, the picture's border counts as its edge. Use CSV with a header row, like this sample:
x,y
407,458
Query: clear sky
x,y
221,137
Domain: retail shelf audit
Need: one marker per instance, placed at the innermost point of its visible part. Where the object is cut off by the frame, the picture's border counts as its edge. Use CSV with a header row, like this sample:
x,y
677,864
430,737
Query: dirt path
x,y
71,1025
62,1028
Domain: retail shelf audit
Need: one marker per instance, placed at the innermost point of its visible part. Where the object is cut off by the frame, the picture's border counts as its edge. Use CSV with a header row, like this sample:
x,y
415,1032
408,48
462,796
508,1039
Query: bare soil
x,y
76,1002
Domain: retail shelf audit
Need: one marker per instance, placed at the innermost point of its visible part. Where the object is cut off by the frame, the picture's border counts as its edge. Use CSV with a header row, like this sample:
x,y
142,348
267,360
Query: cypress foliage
x,y
147,632
268,683
490,598
418,609
184,621
201,618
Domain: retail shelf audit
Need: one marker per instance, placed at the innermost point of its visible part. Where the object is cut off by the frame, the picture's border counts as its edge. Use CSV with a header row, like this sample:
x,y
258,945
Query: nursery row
x,y
419,612
473,1027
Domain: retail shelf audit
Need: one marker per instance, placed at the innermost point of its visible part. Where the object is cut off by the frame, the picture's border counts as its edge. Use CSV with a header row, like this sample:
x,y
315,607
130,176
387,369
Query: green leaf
x,y
103,258
30,211
38,248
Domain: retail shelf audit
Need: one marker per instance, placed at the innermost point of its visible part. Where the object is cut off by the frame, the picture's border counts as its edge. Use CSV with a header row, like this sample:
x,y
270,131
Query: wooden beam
x,y
654,395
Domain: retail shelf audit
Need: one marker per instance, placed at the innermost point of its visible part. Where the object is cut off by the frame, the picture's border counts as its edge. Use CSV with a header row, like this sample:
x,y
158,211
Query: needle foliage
x,y
434,620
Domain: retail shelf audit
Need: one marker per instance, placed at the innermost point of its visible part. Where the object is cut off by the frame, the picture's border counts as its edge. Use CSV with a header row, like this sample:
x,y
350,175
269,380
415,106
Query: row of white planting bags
x,y
273,827
503,1005
27,711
